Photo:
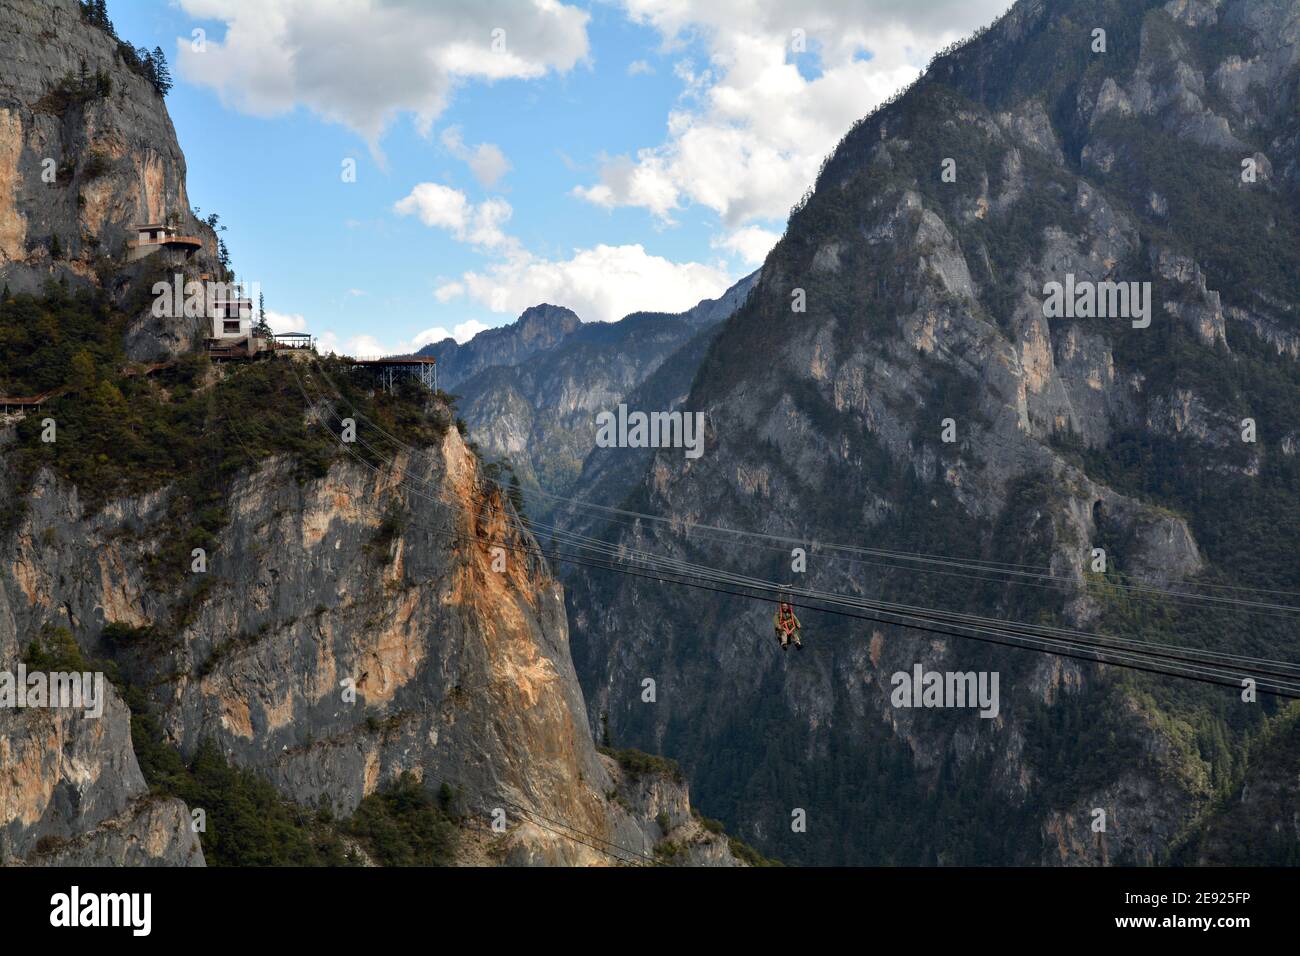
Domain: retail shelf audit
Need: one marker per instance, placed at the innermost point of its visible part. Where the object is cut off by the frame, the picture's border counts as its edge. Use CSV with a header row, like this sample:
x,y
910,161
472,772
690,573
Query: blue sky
x,y
608,156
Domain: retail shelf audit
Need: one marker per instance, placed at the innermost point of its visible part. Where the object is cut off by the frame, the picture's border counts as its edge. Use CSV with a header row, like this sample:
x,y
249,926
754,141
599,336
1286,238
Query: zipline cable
x,y
1057,582
956,619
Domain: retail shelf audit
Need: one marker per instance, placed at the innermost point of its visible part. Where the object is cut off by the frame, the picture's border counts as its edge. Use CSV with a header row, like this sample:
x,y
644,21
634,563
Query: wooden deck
x,y
9,406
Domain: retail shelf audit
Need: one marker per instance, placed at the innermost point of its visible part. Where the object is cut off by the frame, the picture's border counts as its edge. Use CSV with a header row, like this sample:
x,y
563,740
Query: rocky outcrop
x,y
87,152
325,655
71,792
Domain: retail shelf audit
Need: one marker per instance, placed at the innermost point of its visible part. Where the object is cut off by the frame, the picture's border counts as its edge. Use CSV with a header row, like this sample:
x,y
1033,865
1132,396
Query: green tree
x,y
83,375
162,76
262,328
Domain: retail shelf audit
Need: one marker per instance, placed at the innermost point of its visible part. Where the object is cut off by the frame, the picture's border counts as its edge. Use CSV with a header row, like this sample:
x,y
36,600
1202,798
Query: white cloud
x,y
364,344
461,333
751,131
285,322
601,284
327,342
448,291
486,161
751,243
639,67
445,208
367,345
625,183
362,62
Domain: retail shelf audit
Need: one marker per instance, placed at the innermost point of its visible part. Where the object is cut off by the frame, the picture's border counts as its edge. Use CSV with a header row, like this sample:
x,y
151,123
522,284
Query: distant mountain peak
x,y
545,312
540,327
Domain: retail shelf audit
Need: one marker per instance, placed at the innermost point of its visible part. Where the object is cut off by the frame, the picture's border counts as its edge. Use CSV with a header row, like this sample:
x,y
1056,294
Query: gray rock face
x,y
540,328
71,792
609,475
462,671
541,413
543,328
150,832
925,303
116,161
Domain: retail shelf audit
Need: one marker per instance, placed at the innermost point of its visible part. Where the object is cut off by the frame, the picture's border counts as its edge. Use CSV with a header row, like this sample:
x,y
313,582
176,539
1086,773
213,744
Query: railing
x,y
35,402
165,241
296,342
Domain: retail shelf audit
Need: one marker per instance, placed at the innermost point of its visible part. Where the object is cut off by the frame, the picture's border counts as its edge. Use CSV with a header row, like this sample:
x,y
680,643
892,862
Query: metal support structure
x,y
424,370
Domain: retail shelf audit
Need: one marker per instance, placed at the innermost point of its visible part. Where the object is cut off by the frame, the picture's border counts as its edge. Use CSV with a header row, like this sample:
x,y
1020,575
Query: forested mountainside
x,y
315,651
1032,154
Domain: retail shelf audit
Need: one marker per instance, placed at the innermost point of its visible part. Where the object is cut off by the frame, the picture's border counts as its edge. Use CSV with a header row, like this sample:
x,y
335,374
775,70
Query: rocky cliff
x,y
87,152
907,296
459,666
610,475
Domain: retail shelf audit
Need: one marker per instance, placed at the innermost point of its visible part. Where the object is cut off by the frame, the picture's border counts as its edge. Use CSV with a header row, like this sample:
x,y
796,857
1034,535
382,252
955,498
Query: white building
x,y
232,314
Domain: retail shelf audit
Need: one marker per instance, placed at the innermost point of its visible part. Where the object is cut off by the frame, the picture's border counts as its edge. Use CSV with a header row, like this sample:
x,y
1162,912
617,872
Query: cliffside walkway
x,y
14,406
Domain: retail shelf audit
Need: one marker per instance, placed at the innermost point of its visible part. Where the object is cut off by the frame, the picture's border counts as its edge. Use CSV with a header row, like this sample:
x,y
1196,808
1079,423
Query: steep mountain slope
x,y
925,303
461,672
609,475
1257,821
540,412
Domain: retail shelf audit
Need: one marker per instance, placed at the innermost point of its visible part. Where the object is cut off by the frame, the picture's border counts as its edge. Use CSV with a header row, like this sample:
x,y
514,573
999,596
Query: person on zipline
x,y
787,626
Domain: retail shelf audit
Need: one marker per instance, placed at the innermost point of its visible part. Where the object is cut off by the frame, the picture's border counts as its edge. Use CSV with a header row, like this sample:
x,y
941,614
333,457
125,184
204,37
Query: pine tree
x,y
263,327
147,66
162,75
516,495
